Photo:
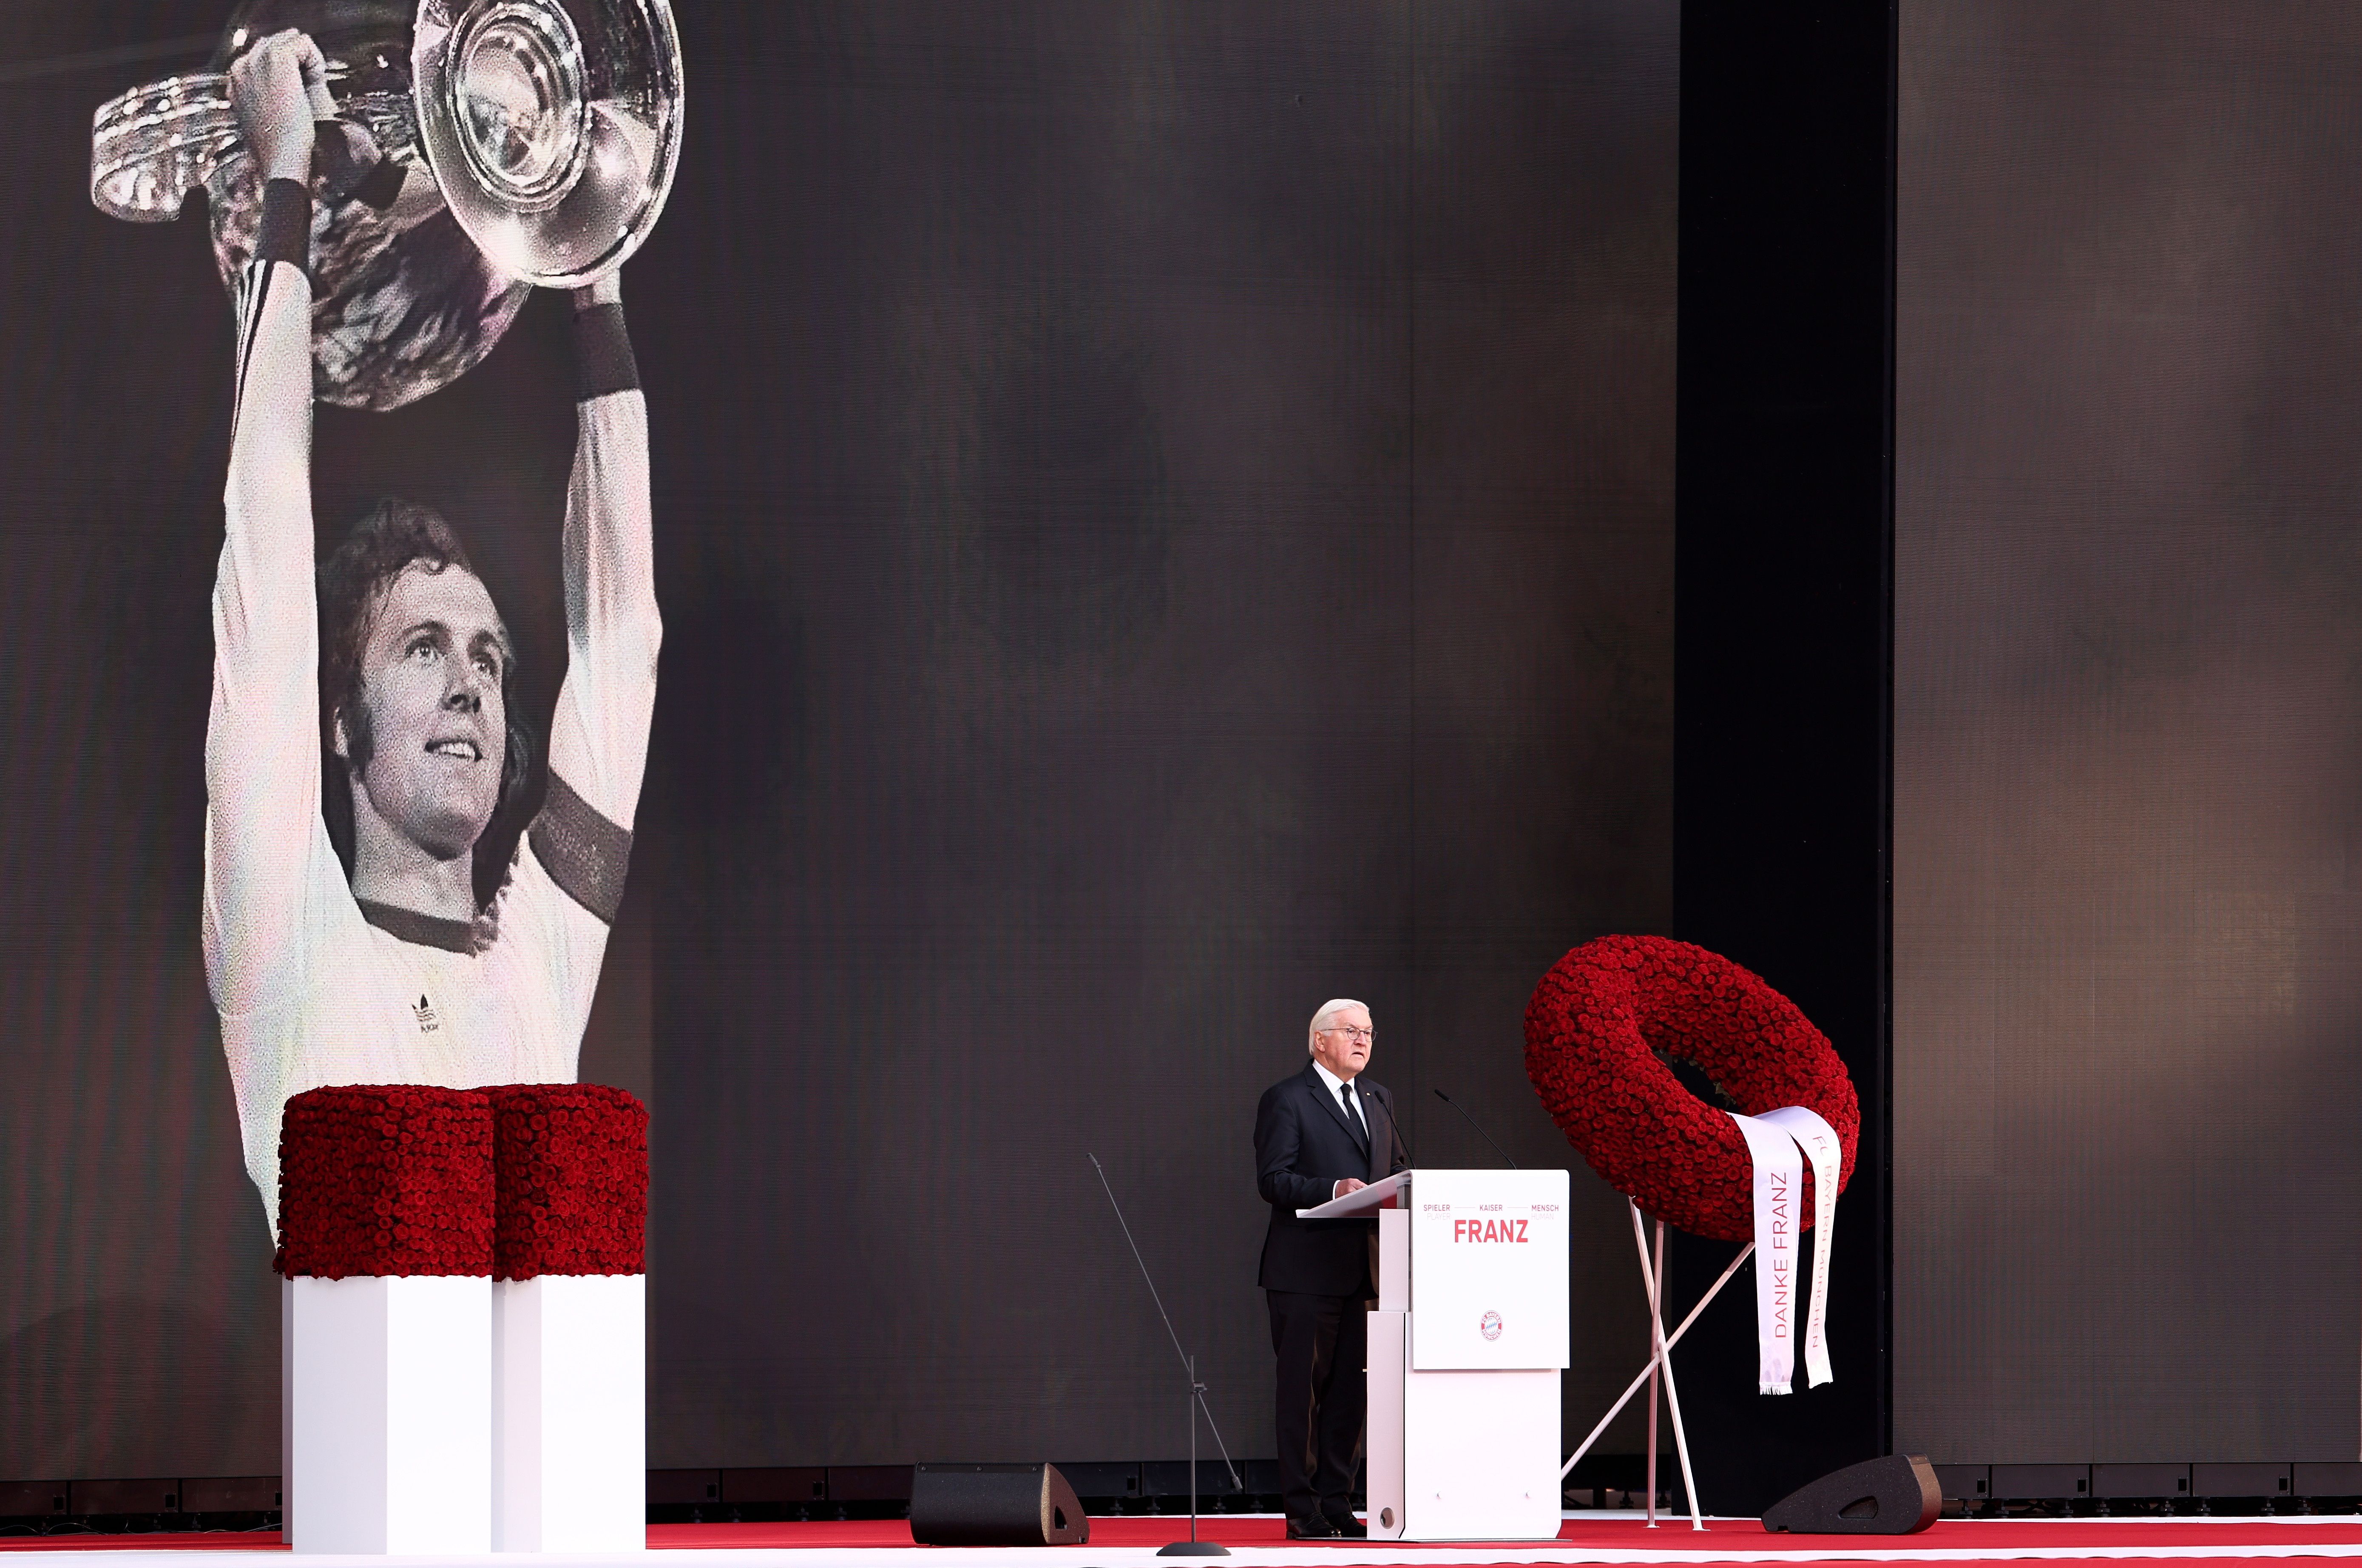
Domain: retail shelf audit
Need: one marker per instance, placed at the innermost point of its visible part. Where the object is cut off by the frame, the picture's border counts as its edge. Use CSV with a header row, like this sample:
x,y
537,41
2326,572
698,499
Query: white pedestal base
x,y
390,1399
287,1410
1458,1456
569,1413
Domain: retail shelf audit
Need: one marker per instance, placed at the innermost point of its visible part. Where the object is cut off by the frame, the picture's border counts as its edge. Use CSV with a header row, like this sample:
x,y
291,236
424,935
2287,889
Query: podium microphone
x,y
1192,1547
1480,1131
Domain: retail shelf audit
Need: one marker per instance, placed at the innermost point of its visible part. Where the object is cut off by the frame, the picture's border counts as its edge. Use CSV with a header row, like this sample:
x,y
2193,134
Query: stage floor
x,y
1261,1543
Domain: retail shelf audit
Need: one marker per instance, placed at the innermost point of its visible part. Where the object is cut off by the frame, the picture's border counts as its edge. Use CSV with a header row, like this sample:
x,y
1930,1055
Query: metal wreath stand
x,y
1661,1349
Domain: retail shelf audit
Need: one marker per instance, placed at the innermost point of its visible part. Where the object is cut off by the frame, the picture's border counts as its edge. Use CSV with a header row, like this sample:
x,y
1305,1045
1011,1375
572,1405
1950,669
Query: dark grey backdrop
x,y
2128,733
1164,517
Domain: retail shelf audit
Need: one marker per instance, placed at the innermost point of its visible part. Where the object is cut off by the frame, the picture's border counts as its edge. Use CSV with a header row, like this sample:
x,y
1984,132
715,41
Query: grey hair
x,y
1328,1009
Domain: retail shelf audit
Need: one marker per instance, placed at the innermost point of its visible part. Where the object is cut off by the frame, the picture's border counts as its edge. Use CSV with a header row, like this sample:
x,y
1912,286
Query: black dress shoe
x,y
1346,1525
1312,1528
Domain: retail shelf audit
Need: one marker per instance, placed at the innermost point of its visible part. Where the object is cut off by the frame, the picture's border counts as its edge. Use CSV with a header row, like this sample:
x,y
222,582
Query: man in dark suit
x,y
1318,1135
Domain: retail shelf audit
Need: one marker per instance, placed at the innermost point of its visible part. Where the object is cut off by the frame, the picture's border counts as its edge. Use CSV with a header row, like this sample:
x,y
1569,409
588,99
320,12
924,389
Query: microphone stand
x,y
1480,1131
1192,1547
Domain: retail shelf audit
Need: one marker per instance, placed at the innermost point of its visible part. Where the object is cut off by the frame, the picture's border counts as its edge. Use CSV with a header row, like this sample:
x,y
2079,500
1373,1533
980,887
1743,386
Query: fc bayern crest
x,y
1490,1325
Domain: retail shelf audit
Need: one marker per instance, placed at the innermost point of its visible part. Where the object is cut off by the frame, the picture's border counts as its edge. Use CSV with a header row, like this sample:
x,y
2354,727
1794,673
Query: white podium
x,y
1465,1350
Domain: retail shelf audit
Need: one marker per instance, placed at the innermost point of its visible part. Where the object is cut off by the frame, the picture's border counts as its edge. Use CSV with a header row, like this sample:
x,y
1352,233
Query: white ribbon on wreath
x,y
1773,1140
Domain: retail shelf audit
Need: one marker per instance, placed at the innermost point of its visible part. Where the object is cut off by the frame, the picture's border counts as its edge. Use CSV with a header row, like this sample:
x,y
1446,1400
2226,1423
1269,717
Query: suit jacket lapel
x,y
1320,1095
1381,1138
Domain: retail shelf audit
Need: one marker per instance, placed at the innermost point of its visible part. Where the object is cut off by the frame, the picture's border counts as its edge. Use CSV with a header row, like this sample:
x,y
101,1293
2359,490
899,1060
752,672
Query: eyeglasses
x,y
1356,1033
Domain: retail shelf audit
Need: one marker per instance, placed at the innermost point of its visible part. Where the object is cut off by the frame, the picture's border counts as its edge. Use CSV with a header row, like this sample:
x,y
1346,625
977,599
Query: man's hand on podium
x,y
1346,1185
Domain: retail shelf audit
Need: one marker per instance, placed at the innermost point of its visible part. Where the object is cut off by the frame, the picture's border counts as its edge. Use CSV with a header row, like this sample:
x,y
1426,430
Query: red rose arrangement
x,y
1593,1031
570,1165
385,1180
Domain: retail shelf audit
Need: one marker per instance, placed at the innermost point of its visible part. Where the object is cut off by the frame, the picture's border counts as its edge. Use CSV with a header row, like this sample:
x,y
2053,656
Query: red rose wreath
x,y
1592,1031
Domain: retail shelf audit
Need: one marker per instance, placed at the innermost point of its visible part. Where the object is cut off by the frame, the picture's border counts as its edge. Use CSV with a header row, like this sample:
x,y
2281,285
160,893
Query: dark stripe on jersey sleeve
x,y
285,234
253,288
602,353
584,853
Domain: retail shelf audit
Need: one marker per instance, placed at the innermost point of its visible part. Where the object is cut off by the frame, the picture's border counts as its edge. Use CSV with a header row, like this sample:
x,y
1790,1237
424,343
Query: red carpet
x,y
1623,1535
2221,1539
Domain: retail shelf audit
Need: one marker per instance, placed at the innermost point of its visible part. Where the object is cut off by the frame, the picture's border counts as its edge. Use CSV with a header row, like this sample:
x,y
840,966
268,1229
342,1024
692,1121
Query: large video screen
x,y
2128,693
1162,517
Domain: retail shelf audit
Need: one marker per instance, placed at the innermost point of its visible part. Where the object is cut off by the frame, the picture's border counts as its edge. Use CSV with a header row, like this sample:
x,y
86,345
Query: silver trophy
x,y
534,142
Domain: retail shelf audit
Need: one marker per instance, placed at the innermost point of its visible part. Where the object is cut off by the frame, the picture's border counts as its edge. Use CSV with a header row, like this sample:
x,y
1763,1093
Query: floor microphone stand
x,y
1192,1547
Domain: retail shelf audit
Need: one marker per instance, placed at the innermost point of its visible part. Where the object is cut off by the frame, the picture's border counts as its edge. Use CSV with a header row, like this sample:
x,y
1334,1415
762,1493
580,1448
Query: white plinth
x,y
287,1410
391,1414
569,1413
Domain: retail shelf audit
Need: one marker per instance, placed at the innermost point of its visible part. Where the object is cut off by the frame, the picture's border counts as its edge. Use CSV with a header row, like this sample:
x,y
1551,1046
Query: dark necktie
x,y
1353,1114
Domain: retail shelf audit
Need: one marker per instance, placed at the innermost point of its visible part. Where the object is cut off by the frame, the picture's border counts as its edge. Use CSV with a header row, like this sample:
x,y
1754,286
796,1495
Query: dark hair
x,y
393,535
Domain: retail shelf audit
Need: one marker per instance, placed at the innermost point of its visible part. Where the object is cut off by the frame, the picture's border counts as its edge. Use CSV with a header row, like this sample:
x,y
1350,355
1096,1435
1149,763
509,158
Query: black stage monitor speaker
x,y
995,1505
1894,1496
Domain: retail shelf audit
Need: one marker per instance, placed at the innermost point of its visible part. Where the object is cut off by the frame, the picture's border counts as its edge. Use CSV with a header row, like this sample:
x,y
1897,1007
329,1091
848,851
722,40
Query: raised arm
x,y
262,752
598,737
